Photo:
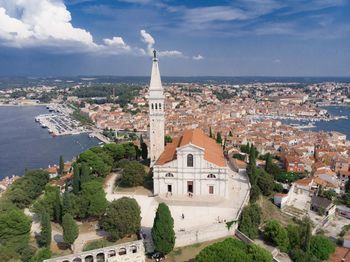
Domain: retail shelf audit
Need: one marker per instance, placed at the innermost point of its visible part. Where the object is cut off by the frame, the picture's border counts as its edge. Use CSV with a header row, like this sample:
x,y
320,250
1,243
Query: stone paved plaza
x,y
199,213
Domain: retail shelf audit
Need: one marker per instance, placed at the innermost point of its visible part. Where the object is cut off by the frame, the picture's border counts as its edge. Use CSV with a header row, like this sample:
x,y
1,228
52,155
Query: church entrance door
x,y
190,186
169,189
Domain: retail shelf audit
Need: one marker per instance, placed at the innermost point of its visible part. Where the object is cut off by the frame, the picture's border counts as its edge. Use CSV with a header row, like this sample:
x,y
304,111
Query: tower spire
x,y
156,112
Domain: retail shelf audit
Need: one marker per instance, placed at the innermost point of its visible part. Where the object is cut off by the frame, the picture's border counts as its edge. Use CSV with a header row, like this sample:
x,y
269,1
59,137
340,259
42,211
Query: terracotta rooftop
x,y
341,254
212,151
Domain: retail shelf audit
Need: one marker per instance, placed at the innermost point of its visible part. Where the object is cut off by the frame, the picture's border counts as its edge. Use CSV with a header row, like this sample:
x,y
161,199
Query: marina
x,y
58,121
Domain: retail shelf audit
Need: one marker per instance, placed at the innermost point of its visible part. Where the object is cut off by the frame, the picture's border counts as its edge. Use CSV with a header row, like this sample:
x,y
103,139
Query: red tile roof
x,y
212,151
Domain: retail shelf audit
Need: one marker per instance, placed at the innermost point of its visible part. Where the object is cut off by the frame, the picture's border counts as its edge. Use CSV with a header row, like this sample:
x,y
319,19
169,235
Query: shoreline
x,y
22,105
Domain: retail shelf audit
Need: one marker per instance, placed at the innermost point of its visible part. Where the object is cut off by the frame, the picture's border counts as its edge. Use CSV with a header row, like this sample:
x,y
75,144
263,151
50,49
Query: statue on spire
x,y
154,54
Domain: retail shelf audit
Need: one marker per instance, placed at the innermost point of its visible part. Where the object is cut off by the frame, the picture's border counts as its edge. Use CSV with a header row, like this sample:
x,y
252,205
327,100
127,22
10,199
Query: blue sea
x,y
341,125
25,144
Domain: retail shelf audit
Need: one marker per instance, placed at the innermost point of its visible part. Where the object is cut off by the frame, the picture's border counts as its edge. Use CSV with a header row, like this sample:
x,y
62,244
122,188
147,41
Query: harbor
x,y
58,121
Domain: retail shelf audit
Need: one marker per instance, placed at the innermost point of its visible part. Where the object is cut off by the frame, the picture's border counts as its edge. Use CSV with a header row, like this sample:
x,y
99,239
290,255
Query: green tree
x,y
14,229
130,151
259,253
42,254
123,217
76,178
306,234
144,151
277,235
27,188
84,174
254,193
321,247
133,174
70,229
219,138
168,139
265,183
294,236
61,166
27,254
163,233
57,208
45,235
250,220
233,250
95,197
230,133
268,164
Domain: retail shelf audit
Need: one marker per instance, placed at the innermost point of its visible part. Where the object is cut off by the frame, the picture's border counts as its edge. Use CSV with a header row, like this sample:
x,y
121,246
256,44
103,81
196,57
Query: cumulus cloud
x,y
39,22
48,23
148,39
197,57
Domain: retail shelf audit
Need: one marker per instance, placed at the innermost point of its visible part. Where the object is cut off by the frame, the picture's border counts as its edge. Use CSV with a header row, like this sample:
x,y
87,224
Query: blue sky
x,y
199,37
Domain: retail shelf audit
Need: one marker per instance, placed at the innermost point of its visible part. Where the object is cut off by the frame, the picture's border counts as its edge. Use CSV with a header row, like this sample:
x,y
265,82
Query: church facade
x,y
193,164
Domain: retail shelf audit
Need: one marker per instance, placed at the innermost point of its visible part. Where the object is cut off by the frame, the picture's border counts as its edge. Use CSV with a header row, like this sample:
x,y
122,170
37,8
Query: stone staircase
x,y
294,212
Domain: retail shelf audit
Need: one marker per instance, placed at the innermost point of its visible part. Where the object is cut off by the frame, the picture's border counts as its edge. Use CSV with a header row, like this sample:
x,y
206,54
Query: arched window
x,y
190,160
169,175
122,251
133,249
211,176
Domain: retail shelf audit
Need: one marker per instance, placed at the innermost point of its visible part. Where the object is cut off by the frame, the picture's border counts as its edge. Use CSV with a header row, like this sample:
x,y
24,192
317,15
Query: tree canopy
x,y
163,233
133,174
277,235
27,188
122,218
14,229
233,250
250,220
95,198
70,229
321,247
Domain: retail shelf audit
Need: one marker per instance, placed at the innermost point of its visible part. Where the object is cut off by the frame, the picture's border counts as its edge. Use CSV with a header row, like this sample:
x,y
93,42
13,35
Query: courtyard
x,y
191,214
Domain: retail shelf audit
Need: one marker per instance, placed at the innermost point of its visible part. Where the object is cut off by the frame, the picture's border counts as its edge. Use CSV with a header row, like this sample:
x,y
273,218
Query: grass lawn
x,y
100,243
270,211
188,253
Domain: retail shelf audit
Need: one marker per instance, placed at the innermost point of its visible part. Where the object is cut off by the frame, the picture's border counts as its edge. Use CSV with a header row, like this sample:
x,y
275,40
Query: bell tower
x,y
156,112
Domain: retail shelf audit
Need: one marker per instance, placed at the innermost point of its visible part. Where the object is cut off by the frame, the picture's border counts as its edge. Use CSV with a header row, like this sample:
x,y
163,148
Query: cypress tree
x,y
230,133
61,166
57,208
84,174
76,179
210,133
45,235
70,229
219,138
144,151
67,205
268,164
163,234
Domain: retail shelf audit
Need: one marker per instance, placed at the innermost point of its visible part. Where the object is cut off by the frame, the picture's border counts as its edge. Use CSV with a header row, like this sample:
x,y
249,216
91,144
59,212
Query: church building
x,y
193,164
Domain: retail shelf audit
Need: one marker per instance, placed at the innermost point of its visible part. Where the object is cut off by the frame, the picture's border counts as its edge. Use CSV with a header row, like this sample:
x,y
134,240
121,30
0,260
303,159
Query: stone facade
x,y
131,251
188,172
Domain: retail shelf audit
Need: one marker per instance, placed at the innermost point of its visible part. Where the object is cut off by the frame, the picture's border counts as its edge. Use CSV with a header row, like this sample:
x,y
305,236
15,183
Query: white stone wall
x,y
198,174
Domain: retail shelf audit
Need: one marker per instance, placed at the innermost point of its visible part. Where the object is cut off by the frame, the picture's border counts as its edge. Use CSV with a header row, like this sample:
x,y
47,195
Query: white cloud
x,y
149,40
39,22
198,57
48,23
